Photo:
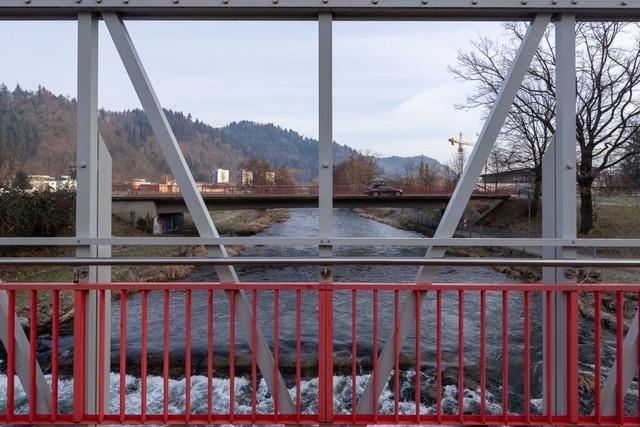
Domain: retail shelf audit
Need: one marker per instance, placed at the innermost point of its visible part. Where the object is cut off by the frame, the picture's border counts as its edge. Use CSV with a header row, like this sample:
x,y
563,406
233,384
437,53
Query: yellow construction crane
x,y
461,141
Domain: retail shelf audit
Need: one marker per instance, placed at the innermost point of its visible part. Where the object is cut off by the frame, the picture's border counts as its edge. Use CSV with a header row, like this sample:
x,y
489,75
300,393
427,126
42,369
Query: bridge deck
x,y
251,201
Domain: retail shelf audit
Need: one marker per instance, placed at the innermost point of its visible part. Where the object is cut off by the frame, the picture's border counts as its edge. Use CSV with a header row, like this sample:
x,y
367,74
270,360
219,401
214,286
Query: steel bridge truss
x,y
93,239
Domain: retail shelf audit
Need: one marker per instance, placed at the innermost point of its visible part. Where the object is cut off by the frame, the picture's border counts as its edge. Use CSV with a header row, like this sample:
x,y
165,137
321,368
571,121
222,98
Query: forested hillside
x,y
285,147
38,135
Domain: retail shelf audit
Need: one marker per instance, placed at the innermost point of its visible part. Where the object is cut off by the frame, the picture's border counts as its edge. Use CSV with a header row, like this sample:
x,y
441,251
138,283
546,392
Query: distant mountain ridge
x,y
135,152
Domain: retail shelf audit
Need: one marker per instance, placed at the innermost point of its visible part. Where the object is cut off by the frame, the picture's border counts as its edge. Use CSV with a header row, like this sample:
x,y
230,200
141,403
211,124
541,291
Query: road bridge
x,y
174,203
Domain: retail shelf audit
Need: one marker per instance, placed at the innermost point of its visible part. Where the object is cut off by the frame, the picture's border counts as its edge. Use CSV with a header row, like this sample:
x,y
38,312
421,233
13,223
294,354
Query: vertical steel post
x,y
193,199
325,203
325,146
104,272
87,192
559,206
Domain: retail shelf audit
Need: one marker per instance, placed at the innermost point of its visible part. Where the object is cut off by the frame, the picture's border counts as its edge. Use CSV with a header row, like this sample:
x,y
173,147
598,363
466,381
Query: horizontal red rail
x,y
180,356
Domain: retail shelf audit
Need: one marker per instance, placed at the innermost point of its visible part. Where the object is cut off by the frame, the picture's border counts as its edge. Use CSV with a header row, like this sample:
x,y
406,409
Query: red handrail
x,y
435,332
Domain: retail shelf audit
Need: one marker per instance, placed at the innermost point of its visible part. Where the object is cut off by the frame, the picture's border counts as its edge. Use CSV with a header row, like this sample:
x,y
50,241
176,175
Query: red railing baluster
x,y
78,355
619,356
461,356
325,347
298,355
638,352
210,356
33,339
597,355
276,352
187,357
165,355
438,356
548,334
505,356
123,354
254,355
573,401
143,355
232,355
396,355
527,357
11,354
101,356
55,340
483,356
374,373
354,348
419,296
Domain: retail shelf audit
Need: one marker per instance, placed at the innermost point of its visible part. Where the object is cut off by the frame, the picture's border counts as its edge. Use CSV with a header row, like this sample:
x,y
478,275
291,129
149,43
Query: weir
x,y
410,328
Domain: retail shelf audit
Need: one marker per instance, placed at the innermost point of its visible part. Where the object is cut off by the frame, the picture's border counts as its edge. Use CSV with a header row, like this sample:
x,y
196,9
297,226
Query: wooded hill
x,y
38,135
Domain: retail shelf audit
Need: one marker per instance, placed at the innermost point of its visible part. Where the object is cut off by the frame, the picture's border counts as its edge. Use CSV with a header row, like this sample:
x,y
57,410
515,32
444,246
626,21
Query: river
x,y
347,223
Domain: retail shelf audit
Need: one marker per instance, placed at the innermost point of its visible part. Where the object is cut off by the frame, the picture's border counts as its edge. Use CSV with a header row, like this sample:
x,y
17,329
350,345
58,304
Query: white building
x,y
43,182
220,176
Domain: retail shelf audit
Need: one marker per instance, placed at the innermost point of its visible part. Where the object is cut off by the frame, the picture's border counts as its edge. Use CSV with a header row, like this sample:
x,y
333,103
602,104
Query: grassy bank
x,y
229,223
394,218
616,217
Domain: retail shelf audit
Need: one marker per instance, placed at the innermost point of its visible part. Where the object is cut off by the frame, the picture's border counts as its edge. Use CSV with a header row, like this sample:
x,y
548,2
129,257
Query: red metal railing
x,y
327,337
300,190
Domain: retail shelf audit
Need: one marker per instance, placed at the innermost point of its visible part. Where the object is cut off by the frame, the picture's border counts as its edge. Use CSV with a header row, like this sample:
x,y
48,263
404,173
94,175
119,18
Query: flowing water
x,y
304,222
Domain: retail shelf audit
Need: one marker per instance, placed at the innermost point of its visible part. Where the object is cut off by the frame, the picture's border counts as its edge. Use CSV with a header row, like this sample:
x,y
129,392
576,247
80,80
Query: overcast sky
x,y
392,91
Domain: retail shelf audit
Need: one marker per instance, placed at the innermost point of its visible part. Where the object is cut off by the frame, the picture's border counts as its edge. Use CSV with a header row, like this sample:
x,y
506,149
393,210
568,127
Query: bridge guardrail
x,y
451,356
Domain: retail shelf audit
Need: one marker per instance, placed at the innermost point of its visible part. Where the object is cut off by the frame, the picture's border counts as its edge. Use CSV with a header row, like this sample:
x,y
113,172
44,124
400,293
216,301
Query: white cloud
x,y
392,90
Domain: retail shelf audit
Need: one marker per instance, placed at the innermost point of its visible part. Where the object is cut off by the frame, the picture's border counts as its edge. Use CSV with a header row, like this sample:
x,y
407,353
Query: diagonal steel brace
x,y
192,197
459,200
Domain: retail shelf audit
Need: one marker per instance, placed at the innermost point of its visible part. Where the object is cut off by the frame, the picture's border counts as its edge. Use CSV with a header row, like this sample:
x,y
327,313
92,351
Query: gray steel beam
x,y
309,9
325,122
559,203
461,195
104,250
328,261
517,243
325,209
192,197
87,192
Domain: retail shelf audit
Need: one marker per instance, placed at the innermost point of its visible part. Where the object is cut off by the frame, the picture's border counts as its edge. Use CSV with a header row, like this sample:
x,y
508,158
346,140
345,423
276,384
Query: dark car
x,y
379,188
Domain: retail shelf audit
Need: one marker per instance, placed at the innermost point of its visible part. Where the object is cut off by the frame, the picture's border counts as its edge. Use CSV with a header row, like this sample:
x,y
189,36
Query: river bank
x,y
393,217
228,223
586,307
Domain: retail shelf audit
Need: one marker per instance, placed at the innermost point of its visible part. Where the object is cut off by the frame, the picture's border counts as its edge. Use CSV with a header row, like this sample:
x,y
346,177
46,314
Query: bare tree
x,y
358,170
608,74
427,174
409,169
454,168
285,176
500,160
